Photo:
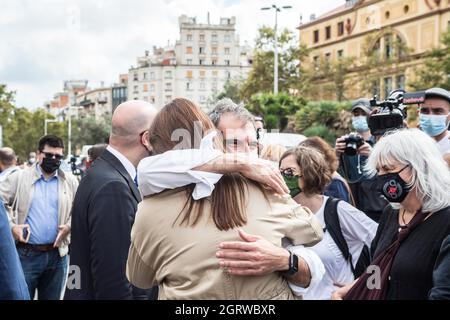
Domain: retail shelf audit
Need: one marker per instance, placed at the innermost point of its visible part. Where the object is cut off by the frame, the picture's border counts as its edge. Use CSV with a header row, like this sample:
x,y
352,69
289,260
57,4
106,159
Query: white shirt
x,y
124,161
173,169
358,230
444,144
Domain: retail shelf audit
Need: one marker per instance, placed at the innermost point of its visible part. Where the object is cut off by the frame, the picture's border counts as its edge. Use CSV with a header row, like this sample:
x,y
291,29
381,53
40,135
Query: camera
x,y
352,143
73,165
392,111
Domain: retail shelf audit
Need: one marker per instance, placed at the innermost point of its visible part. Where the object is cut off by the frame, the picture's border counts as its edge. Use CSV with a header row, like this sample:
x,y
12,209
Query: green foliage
x,y
333,115
23,128
260,78
321,131
436,70
87,131
276,109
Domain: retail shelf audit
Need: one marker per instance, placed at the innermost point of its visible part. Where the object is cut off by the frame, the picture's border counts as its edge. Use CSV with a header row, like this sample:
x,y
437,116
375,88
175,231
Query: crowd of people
x,y
186,205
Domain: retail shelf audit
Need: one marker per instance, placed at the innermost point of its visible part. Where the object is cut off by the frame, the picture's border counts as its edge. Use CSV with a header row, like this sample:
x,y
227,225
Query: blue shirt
x,y
43,214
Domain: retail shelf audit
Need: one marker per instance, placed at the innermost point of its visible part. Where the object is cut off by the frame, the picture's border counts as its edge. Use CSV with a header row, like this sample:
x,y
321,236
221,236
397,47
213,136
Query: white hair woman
x,y
416,181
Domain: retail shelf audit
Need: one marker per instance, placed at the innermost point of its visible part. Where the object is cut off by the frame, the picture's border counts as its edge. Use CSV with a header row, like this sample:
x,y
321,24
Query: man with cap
x,y
351,166
434,118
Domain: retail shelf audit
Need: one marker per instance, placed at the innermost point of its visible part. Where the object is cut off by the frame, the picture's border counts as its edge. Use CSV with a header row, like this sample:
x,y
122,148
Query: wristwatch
x,y
293,265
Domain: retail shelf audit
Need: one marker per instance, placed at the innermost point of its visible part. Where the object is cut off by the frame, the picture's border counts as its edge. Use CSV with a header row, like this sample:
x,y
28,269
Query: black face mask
x,y
393,187
50,165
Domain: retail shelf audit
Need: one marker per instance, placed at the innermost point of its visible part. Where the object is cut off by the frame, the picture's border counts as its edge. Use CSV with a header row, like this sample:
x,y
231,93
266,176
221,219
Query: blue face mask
x,y
433,125
360,123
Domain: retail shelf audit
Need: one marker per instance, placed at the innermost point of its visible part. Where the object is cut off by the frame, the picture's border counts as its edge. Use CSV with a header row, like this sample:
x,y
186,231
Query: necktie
x,y
135,181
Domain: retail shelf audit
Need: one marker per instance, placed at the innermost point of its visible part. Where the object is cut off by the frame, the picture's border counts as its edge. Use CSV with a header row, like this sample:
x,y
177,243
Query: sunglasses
x,y
50,155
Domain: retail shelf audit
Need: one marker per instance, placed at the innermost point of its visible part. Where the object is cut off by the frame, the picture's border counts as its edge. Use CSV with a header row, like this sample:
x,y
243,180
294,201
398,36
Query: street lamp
x,y
46,122
275,64
69,129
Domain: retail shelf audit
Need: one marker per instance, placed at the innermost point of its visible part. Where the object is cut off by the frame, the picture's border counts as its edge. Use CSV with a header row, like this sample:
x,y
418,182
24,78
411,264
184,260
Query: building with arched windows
x,y
380,43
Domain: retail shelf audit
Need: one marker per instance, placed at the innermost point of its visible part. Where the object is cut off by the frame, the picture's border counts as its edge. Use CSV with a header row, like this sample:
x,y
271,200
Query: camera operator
x,y
353,151
434,117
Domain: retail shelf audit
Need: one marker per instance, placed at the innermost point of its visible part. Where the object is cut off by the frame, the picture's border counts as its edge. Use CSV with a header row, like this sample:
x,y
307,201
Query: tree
x,y
260,78
230,90
87,131
436,69
276,109
329,114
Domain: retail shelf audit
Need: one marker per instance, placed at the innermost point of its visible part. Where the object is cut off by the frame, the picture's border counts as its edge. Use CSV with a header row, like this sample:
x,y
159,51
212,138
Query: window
x,y
144,76
376,88
387,14
328,32
201,62
202,85
189,37
340,53
387,86
406,9
152,75
228,74
214,85
135,89
189,50
168,99
202,73
388,46
189,61
168,74
400,79
316,36
202,38
227,62
340,28
135,76
214,50
189,86
168,86
202,99
145,87
214,38
214,62
152,88
227,38
201,50
227,51
189,74
316,62
152,99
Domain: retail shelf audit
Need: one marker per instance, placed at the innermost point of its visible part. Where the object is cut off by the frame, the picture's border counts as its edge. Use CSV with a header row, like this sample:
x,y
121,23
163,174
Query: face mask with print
x,y
360,123
393,187
292,184
433,125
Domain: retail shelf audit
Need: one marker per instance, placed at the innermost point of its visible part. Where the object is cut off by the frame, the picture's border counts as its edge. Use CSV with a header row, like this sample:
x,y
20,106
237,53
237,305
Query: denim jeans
x,y
44,271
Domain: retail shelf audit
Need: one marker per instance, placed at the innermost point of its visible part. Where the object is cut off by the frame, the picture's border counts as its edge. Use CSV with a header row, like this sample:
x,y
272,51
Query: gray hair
x,y
430,173
226,105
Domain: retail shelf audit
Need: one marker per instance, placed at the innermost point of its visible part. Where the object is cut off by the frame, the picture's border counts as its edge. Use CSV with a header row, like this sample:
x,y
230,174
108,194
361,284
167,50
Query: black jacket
x,y
441,274
102,216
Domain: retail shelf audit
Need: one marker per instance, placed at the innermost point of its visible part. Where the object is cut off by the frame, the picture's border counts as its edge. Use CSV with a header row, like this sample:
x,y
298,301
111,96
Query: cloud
x,y
48,41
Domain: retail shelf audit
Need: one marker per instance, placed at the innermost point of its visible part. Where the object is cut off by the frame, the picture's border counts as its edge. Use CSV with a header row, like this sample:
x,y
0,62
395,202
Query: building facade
x,y
95,103
199,64
119,91
61,100
385,39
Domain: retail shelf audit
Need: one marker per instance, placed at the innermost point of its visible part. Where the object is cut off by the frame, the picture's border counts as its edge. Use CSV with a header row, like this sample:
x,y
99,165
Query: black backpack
x,y
333,226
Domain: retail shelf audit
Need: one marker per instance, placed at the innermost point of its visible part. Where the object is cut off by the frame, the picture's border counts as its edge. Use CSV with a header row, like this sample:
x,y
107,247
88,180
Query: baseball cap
x,y
363,104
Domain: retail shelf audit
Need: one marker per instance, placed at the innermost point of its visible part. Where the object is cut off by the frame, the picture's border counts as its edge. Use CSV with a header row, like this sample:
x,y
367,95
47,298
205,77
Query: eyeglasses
x,y
289,173
50,155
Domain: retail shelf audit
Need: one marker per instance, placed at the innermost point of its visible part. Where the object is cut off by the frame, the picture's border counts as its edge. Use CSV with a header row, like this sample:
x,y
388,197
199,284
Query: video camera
x,y
393,111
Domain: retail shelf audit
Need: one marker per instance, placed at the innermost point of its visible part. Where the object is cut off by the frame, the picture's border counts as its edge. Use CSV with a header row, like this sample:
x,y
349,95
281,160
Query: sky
x,y
44,42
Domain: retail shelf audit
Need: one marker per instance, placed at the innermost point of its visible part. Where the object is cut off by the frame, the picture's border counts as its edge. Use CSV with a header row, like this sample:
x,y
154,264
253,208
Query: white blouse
x,y
358,230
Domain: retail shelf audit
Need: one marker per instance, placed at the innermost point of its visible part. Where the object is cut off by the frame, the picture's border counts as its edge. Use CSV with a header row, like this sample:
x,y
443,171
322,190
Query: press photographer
x,y
353,150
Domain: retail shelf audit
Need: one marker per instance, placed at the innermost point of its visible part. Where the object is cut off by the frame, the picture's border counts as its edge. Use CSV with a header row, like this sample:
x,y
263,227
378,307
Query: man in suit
x,y
104,210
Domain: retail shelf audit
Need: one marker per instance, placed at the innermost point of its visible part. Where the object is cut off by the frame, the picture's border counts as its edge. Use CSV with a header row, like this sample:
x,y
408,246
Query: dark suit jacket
x,y
102,216
441,274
